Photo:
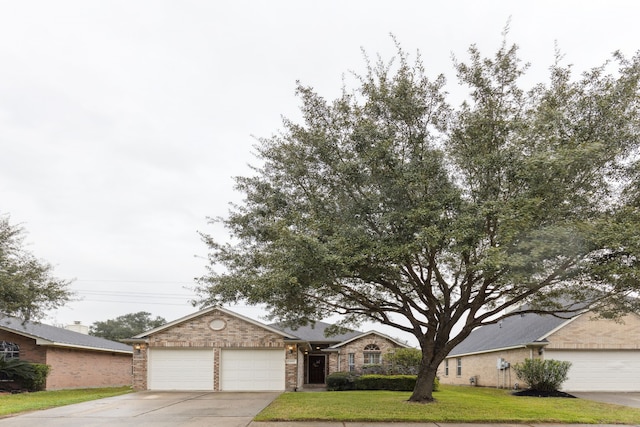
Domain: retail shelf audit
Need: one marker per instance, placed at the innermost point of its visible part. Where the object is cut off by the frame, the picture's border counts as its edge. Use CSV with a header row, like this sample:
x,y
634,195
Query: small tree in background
x,y
125,326
543,375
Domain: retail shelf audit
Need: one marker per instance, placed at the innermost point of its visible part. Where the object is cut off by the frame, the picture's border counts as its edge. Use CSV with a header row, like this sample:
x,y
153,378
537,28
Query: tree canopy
x,y
125,326
27,286
391,204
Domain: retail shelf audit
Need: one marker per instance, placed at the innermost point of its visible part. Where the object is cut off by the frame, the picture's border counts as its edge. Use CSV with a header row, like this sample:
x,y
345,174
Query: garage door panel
x,y
600,370
252,370
180,369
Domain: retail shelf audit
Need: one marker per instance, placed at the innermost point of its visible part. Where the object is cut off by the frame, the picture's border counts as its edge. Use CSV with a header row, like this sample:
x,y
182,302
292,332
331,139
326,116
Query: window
x,y
352,362
459,367
446,367
372,355
9,350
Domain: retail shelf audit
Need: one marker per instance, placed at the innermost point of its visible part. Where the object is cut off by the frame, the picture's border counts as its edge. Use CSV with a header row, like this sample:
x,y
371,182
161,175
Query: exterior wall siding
x,y
483,367
587,333
339,361
71,368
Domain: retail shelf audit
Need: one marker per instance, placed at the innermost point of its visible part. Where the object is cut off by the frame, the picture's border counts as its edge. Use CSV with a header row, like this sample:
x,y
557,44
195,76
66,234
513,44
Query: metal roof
x,y
54,336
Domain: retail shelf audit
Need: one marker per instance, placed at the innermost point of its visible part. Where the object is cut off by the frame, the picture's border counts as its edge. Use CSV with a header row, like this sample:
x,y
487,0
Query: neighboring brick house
x,y
217,349
605,354
77,360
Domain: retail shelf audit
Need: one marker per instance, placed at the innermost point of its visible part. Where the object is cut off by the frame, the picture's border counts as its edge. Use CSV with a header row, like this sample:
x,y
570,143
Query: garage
x,y
180,369
252,370
600,370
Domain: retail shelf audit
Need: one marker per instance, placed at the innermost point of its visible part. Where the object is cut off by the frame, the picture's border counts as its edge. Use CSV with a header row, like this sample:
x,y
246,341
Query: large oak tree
x,y
390,204
27,285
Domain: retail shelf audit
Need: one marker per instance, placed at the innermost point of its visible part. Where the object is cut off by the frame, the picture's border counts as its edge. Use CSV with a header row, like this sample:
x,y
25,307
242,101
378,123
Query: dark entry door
x,y
316,369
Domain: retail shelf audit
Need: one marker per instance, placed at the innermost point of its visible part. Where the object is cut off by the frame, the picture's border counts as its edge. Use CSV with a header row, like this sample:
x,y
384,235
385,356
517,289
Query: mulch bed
x,y
537,393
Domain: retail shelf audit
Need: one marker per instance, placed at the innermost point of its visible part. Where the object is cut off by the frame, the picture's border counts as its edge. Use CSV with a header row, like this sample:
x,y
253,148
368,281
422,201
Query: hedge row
x,y
348,381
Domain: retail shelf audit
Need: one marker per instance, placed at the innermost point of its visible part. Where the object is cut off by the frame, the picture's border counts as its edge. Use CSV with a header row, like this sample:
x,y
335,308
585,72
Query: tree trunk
x,y
423,391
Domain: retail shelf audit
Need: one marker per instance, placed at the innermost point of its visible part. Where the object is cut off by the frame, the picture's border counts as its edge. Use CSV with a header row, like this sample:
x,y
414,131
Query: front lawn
x,y
23,402
454,404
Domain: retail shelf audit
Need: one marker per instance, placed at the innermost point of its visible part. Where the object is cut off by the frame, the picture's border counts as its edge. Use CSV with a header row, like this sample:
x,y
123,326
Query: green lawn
x,y
454,404
23,402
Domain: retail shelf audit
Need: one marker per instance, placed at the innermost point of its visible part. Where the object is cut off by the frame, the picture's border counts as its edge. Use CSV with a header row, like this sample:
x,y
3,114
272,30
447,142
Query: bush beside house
x,y
20,375
543,375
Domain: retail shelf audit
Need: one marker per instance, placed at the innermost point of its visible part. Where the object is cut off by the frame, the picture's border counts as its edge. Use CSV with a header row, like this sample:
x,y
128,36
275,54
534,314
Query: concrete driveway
x,y
627,399
153,409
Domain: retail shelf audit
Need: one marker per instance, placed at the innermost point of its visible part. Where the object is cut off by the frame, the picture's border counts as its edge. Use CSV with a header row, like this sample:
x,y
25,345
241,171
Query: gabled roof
x,y
316,333
206,311
512,332
47,335
340,344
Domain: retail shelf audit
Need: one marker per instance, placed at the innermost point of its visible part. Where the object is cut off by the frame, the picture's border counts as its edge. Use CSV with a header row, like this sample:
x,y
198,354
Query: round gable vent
x,y
217,324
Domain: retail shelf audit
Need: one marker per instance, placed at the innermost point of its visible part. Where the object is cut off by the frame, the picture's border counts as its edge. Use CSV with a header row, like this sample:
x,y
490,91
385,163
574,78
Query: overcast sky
x,y
122,123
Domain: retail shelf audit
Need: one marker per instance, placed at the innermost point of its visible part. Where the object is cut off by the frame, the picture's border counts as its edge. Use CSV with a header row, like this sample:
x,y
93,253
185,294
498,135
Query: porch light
x,y
290,348
137,347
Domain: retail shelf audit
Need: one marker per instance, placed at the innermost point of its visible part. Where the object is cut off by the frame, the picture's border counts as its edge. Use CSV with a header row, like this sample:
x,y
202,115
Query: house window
x,y
372,355
446,367
9,350
352,362
459,366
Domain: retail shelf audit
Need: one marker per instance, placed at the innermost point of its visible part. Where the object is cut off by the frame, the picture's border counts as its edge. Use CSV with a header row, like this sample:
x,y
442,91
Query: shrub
x,y
15,369
39,378
374,369
404,361
31,376
542,375
339,381
386,382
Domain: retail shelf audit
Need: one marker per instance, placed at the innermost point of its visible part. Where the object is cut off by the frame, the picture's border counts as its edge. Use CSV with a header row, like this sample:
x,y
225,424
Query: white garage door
x,y
252,370
600,370
180,369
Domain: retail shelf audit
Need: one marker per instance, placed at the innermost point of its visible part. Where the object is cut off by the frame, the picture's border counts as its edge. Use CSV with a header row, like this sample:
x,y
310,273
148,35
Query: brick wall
x,y
484,368
71,368
339,361
197,333
586,333
29,351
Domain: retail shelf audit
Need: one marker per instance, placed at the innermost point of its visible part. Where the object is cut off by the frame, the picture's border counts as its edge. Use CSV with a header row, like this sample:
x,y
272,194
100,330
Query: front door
x,y
316,369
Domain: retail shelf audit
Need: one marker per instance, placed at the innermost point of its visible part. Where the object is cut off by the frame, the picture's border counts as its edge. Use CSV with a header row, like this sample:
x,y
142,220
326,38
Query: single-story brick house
x,y
605,354
77,360
219,350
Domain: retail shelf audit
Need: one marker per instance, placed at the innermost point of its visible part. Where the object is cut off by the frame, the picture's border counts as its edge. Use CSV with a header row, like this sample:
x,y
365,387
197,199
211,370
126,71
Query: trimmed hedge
x,y
386,382
340,381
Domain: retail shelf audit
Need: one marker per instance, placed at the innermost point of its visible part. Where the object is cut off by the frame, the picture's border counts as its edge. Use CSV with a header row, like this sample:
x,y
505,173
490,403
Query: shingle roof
x,y
52,335
512,331
316,333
